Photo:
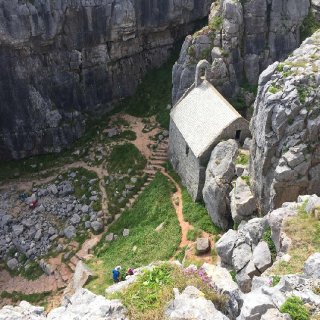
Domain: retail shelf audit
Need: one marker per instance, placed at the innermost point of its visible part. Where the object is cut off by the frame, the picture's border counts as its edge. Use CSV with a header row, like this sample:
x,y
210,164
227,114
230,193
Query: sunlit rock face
x,y
60,60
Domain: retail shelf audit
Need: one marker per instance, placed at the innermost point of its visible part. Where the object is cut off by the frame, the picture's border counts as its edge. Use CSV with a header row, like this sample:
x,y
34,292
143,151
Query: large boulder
x,y
219,174
255,304
80,277
284,155
24,311
243,203
191,305
220,279
312,266
225,246
85,305
261,256
244,252
275,314
276,219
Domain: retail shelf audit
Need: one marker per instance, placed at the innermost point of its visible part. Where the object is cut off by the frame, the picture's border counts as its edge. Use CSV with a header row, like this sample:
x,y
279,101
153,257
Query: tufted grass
x,y
147,298
304,231
144,244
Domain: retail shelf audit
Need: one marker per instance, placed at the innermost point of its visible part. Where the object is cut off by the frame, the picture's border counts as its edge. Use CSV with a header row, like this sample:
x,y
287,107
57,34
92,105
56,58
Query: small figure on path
x,y
129,272
116,274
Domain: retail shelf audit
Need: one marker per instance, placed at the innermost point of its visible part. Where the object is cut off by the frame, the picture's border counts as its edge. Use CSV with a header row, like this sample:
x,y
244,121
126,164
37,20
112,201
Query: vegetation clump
x,y
196,214
242,159
267,238
304,232
147,298
309,26
295,308
124,157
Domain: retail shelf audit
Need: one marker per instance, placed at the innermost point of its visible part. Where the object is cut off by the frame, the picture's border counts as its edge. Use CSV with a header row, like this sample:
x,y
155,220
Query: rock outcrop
x,y
191,304
285,153
245,252
219,174
62,59
240,41
243,202
265,298
82,305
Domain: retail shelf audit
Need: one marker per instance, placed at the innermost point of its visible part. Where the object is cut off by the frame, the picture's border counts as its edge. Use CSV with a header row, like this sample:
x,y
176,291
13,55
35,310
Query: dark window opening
x,y
238,134
187,149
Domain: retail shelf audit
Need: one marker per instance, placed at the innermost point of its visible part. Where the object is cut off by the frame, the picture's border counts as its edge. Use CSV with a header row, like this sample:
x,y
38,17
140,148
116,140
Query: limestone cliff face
x,y
285,153
241,40
60,59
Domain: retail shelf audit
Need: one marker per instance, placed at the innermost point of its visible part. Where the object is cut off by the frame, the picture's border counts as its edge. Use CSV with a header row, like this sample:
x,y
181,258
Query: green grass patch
x,y
303,94
216,23
267,238
193,234
144,244
124,157
242,159
31,271
274,89
275,280
81,184
147,298
181,254
304,232
196,214
294,306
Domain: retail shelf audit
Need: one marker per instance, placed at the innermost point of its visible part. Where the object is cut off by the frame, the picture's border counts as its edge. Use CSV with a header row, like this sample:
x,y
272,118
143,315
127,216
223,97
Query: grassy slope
x,y
151,209
126,156
304,231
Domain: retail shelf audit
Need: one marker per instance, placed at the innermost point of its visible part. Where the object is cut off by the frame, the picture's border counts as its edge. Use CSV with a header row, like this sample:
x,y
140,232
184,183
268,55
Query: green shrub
x,y
275,280
303,94
216,23
267,238
309,26
273,89
242,159
181,254
295,308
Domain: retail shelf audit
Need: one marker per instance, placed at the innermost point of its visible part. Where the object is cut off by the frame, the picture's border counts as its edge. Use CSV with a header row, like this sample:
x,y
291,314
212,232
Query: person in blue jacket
x,y
116,274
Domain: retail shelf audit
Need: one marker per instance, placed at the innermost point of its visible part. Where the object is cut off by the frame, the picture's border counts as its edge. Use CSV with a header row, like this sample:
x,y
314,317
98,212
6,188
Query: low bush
x,y
294,306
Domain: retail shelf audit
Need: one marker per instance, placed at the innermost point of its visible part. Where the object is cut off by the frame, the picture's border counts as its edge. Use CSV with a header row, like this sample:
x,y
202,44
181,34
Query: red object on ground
x,y
33,204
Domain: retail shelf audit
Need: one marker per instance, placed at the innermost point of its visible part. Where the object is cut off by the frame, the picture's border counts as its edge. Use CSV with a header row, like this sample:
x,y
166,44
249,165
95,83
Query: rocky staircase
x,y
155,163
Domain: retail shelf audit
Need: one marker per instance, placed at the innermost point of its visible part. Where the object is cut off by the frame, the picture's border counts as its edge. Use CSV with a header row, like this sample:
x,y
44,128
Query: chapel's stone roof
x,y
202,115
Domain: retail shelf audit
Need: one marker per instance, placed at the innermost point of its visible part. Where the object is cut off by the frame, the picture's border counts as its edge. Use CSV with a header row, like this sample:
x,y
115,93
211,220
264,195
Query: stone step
x,y
61,283
72,266
64,272
162,158
156,162
74,260
157,167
